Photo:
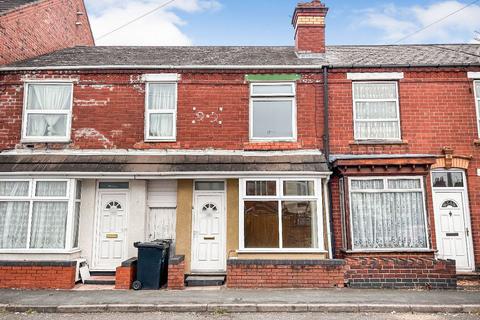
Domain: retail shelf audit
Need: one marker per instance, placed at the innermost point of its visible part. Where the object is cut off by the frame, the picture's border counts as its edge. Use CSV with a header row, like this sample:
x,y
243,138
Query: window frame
x,y
149,112
476,96
292,97
279,198
69,197
386,189
26,113
397,102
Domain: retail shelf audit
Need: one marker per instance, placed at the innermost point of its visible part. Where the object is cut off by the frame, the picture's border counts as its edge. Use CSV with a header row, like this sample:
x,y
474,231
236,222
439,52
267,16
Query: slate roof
x,y
268,57
162,163
9,5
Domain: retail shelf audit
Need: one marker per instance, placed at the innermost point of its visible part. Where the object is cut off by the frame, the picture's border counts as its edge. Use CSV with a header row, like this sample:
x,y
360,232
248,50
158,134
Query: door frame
x,y
223,225
466,212
96,228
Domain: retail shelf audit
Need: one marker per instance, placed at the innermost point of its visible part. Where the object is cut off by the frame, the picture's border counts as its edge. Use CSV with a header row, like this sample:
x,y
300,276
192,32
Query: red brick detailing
x,y
400,271
282,274
43,27
176,274
37,276
124,277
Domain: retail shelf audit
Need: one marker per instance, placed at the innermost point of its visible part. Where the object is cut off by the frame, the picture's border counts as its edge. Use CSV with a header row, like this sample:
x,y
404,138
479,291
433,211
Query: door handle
x,y
467,231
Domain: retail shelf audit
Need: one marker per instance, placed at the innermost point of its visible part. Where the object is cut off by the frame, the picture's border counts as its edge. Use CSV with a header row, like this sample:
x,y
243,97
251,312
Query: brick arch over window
x,y
449,161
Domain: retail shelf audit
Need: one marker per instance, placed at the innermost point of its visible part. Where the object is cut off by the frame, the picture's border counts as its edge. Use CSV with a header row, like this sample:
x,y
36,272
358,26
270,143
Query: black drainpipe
x,y
326,151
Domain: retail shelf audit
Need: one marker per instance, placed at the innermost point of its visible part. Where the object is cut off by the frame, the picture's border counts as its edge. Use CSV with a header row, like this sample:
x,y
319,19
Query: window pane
x,y
78,190
299,225
49,224
113,185
388,220
376,110
13,224
298,188
477,84
161,125
448,180
49,97
46,125
377,130
261,188
161,96
375,90
76,224
210,185
261,224
51,189
280,89
14,188
273,119
367,184
404,184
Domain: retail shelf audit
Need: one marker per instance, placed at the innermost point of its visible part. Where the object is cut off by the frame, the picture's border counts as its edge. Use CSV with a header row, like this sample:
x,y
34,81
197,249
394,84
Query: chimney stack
x,y
309,23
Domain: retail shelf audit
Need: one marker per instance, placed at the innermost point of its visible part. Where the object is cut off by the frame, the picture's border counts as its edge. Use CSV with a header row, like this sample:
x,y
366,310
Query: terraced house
x,y
302,166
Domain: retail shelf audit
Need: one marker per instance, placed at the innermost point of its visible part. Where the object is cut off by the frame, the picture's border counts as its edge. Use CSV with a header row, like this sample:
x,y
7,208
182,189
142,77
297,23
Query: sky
x,y
268,22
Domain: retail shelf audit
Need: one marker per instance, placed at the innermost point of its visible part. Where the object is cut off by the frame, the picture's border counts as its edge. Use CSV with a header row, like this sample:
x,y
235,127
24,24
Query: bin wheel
x,y
136,285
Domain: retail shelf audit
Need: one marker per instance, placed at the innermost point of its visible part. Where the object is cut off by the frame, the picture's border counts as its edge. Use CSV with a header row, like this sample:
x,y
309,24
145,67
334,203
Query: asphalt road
x,y
243,316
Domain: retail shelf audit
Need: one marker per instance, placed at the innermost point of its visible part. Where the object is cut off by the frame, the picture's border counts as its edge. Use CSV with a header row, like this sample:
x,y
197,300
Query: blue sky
x,y
267,22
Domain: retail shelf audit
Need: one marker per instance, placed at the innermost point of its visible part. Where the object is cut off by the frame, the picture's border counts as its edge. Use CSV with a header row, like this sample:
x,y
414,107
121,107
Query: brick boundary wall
x,y
400,272
243,273
37,274
176,273
126,274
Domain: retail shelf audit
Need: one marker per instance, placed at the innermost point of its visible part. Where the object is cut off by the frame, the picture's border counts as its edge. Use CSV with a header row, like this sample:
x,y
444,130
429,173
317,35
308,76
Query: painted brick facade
x,y
37,275
43,27
286,273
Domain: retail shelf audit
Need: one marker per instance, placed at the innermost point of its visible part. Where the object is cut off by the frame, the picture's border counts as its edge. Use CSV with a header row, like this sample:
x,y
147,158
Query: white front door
x,y
453,234
208,239
110,249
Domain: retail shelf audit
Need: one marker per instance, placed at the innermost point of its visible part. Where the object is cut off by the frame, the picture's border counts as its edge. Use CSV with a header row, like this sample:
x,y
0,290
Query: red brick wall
x,y
176,274
310,39
285,274
108,112
400,271
41,28
124,277
35,275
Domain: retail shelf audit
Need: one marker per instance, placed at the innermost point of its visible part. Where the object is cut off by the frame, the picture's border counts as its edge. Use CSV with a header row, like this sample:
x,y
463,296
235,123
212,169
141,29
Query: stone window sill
x,y
378,142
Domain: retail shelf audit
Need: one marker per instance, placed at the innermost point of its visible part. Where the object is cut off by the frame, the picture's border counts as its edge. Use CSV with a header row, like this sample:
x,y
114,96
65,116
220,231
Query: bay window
x,y
273,111
281,214
388,213
39,214
376,111
47,112
161,111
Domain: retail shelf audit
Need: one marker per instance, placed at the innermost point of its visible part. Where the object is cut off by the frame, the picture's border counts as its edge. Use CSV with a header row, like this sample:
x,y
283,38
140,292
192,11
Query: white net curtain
x,y
161,107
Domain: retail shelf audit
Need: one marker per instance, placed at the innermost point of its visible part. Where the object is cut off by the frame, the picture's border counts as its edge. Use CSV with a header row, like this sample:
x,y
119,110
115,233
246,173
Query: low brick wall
x,y
176,273
125,274
243,273
407,271
37,274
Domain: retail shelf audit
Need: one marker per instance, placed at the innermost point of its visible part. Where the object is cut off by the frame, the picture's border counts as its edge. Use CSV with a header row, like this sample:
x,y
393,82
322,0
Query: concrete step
x,y
205,280
100,280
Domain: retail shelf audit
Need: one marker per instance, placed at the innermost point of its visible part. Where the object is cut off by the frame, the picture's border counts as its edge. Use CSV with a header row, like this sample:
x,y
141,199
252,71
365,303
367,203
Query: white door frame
x,y
466,211
222,226
98,208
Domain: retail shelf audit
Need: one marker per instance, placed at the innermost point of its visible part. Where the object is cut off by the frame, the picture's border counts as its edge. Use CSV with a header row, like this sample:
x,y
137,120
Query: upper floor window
x,y
376,111
47,112
477,100
273,112
161,111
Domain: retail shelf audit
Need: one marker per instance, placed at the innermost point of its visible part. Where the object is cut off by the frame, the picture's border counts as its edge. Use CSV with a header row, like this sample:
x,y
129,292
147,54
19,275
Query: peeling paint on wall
x,y
92,133
91,102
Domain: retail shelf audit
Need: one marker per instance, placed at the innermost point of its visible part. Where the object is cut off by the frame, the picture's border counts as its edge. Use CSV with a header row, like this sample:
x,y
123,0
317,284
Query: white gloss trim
x,y
473,75
159,77
355,76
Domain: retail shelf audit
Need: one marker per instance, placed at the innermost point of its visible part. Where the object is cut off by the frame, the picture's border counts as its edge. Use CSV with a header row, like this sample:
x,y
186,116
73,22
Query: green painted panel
x,y
273,77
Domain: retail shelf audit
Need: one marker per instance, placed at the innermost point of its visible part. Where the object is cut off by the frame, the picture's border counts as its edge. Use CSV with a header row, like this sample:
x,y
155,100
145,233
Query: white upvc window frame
x,y
31,198
279,197
397,102
148,112
292,97
476,95
386,189
68,113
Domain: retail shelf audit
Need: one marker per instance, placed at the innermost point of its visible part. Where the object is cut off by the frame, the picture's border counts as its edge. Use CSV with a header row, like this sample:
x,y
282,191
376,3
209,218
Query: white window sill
x,y
373,142
26,141
160,140
281,251
257,140
39,251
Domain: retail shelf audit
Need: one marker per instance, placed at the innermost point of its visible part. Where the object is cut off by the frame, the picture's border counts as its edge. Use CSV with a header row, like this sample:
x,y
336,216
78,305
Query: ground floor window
x,y
39,214
281,214
388,213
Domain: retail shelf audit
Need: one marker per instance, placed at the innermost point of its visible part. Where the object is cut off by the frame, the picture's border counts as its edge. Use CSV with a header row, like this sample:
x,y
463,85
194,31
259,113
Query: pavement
x,y
240,301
